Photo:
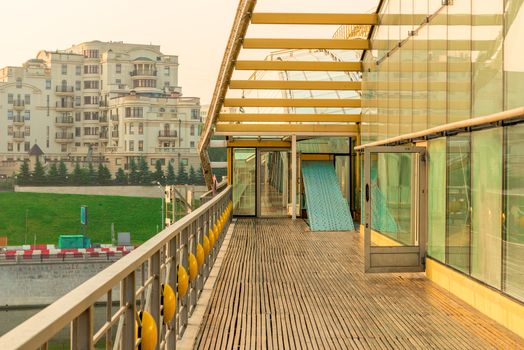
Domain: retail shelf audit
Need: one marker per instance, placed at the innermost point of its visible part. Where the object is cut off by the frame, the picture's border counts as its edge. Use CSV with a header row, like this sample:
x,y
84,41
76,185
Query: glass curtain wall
x,y
464,62
476,225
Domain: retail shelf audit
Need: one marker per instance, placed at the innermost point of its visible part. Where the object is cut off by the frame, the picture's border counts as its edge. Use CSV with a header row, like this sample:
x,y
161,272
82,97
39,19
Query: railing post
x,y
127,300
154,302
171,280
82,330
184,302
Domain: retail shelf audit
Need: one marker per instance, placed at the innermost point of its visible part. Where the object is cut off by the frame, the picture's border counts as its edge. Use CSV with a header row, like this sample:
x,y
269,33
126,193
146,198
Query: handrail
x,y
40,328
450,127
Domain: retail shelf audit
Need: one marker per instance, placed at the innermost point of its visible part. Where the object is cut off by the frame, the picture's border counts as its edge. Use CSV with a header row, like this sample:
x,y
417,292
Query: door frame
x,y
408,258
259,179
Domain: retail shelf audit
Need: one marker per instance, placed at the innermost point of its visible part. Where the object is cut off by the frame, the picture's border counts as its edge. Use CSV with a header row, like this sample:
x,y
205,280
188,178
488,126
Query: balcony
x,y
143,73
19,136
64,137
64,121
114,118
114,133
134,115
18,120
103,119
104,135
64,106
18,105
103,104
65,90
167,134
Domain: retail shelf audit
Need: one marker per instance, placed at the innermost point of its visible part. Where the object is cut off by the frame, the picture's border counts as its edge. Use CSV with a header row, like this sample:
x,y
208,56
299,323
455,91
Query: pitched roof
x,y
35,151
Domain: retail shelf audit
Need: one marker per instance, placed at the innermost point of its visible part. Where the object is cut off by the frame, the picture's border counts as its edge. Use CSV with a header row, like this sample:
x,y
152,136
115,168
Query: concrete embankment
x,y
38,284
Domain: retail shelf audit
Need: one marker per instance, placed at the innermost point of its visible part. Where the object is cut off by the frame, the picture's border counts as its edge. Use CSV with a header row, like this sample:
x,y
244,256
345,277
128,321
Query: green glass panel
x,y
486,199
514,211
437,199
459,202
244,177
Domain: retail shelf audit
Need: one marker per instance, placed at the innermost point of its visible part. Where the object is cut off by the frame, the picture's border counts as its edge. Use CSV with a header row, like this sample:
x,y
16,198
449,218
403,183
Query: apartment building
x,y
97,102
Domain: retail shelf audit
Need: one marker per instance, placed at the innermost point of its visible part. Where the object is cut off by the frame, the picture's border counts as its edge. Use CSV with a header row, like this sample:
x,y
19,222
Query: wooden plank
x,y
295,85
299,66
291,118
281,286
294,43
314,18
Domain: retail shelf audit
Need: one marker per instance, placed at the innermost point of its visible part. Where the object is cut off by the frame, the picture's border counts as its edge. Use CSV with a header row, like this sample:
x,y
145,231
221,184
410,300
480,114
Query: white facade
x,y
100,102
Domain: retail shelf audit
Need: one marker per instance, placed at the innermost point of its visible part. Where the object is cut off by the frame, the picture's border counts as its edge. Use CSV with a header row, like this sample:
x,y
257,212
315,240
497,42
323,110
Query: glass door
x,y
244,181
395,209
274,177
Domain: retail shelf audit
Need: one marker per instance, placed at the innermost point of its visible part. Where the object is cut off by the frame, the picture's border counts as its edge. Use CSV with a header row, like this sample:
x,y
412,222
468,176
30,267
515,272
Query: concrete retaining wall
x,y
43,283
128,191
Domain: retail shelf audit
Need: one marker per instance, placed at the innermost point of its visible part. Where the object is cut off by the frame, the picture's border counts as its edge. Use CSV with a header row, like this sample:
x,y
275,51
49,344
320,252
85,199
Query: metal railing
x,y
65,88
167,133
140,277
143,72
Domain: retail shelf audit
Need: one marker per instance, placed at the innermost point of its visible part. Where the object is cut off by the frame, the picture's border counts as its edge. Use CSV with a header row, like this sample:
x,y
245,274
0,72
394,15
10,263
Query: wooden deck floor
x,y
281,286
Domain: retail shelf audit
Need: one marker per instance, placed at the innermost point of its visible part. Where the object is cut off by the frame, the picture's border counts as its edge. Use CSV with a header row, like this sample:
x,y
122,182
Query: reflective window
x,y
244,181
437,199
486,199
459,202
514,213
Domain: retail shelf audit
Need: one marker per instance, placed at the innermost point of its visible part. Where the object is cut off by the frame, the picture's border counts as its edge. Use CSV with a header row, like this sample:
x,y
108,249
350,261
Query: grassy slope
x,y
53,214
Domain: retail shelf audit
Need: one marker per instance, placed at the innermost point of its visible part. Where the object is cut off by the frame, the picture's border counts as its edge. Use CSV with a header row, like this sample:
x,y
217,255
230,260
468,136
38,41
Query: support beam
x,y
278,129
286,117
295,102
259,143
289,44
299,66
314,18
295,85
293,177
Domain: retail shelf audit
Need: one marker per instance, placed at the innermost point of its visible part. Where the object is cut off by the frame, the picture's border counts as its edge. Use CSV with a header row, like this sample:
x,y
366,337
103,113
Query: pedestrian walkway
x,y
281,286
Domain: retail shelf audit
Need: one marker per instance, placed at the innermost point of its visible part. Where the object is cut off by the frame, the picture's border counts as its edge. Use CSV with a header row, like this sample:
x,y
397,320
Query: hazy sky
x,y
195,30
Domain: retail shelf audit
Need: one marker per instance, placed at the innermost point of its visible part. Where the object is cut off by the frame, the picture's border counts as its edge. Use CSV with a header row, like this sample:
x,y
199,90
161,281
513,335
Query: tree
x,y
104,176
158,175
38,173
170,177
77,176
62,172
192,176
92,175
23,177
200,176
52,175
133,172
120,177
182,173
144,176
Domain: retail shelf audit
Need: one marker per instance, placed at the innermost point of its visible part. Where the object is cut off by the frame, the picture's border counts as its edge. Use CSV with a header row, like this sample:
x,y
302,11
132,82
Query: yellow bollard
x,y
206,245
200,255
193,267
182,281
168,302
145,329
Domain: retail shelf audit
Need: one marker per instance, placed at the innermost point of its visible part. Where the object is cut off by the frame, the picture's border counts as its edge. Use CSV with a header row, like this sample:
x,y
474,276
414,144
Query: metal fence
x,y
183,252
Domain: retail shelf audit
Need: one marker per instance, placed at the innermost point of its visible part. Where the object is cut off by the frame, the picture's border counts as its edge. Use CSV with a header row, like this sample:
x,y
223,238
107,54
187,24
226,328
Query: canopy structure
x,y
305,87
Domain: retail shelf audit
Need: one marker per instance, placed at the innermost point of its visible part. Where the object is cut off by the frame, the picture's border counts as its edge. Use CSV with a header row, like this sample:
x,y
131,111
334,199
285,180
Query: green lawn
x,y
50,215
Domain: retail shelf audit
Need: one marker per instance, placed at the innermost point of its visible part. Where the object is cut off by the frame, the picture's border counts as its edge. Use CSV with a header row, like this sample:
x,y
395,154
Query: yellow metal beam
x,y
314,18
280,129
329,44
259,143
294,85
295,102
299,66
286,117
